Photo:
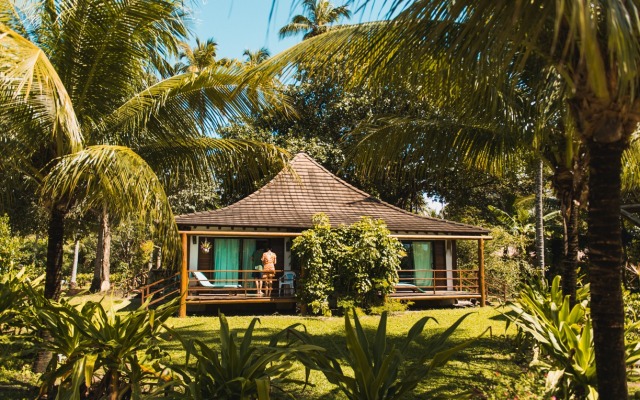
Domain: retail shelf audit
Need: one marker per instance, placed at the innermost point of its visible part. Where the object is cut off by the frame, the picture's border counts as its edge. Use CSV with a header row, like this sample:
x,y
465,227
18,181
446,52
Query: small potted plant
x,y
205,246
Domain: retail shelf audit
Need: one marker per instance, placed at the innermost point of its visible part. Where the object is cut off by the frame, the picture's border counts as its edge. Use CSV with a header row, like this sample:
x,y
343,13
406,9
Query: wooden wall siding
x,y
440,264
205,260
454,262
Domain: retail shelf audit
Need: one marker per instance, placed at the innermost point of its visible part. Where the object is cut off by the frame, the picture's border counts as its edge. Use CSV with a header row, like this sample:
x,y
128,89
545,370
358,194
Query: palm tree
x,y
256,57
319,15
592,45
85,117
198,58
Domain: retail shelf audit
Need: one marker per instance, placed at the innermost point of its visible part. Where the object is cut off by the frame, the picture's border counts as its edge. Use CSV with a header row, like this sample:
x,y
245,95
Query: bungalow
x,y
221,248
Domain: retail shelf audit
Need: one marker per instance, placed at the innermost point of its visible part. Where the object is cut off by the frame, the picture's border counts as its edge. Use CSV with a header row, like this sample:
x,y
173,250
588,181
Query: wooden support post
x,y
481,283
184,278
303,306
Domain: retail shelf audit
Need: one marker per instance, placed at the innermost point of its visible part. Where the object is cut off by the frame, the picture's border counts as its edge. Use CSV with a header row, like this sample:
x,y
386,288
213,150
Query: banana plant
x,y
96,350
564,336
240,370
380,371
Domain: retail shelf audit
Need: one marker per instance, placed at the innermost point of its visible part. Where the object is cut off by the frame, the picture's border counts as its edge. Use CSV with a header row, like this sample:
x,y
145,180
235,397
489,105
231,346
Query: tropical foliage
x,y
100,353
240,370
87,120
563,334
479,53
379,371
320,14
354,265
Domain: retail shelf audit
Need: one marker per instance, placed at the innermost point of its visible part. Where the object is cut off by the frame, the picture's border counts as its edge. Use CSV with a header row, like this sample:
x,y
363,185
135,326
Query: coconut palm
x,y
319,15
85,117
196,59
254,58
591,44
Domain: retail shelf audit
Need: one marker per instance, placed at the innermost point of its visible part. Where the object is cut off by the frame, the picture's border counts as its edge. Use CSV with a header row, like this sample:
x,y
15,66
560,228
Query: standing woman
x,y
268,270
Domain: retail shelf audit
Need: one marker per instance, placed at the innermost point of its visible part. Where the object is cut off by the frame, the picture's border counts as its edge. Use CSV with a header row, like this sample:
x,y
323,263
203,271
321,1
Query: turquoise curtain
x,y
248,247
226,257
423,263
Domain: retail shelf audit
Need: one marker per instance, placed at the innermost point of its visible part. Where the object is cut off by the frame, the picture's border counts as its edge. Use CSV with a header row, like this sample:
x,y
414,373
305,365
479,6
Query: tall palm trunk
x,y
54,252
101,267
605,267
74,266
540,216
570,215
53,275
569,187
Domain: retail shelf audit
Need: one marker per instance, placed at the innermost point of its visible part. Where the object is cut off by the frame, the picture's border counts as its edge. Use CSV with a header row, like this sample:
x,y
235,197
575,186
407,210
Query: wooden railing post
x,y
481,283
184,279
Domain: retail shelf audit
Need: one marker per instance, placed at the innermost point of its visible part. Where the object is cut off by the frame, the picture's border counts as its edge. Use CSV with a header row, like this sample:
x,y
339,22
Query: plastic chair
x,y
287,279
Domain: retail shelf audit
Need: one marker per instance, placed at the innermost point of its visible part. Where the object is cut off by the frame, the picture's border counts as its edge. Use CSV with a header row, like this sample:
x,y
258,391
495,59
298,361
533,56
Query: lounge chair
x,y
205,282
408,287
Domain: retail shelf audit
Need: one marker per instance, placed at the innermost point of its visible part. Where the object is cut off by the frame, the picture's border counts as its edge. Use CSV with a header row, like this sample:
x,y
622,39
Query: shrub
x,y
357,265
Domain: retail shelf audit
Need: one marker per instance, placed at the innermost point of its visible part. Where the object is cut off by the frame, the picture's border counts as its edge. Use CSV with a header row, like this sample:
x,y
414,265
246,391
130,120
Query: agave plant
x,y
380,371
98,350
564,336
240,370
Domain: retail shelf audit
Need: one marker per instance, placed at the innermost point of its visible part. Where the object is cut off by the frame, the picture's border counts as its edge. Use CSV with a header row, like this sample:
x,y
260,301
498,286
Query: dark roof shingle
x,y
291,199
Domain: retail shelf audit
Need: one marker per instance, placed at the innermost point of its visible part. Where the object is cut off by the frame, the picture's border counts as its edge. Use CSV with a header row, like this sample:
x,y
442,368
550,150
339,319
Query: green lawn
x,y
486,370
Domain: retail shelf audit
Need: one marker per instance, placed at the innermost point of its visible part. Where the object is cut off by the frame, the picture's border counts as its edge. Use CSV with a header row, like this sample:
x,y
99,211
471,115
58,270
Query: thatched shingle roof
x,y
290,200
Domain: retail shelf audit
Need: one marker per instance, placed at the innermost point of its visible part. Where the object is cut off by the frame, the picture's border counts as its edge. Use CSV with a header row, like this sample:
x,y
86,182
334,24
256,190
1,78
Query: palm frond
x,y
223,94
631,166
439,141
118,177
32,94
205,158
101,49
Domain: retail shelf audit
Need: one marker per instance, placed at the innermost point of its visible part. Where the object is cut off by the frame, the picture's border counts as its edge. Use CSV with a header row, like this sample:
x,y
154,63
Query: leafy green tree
x,y
319,15
84,115
592,45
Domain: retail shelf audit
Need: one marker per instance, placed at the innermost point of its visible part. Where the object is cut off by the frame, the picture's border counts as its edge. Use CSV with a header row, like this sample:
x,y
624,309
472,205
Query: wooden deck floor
x,y
238,299
438,295
242,298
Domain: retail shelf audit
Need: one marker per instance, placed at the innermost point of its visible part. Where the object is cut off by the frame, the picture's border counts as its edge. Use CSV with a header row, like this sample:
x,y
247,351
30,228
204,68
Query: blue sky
x,y
237,25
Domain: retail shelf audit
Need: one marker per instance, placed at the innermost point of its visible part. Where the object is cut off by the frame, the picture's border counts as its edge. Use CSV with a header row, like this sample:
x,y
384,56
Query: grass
x,y
487,370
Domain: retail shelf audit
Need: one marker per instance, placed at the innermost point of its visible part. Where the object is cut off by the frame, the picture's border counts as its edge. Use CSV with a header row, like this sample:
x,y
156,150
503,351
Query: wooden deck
x,y
437,295
238,299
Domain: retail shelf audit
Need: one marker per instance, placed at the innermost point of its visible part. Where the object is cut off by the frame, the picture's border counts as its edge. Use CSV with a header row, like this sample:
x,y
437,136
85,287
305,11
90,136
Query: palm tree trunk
x,y
540,216
53,275
605,268
570,215
54,252
101,268
97,265
74,267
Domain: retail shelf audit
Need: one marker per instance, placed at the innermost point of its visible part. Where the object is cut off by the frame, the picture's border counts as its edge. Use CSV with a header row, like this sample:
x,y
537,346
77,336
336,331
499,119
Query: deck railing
x,y
161,290
237,285
461,280
236,282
